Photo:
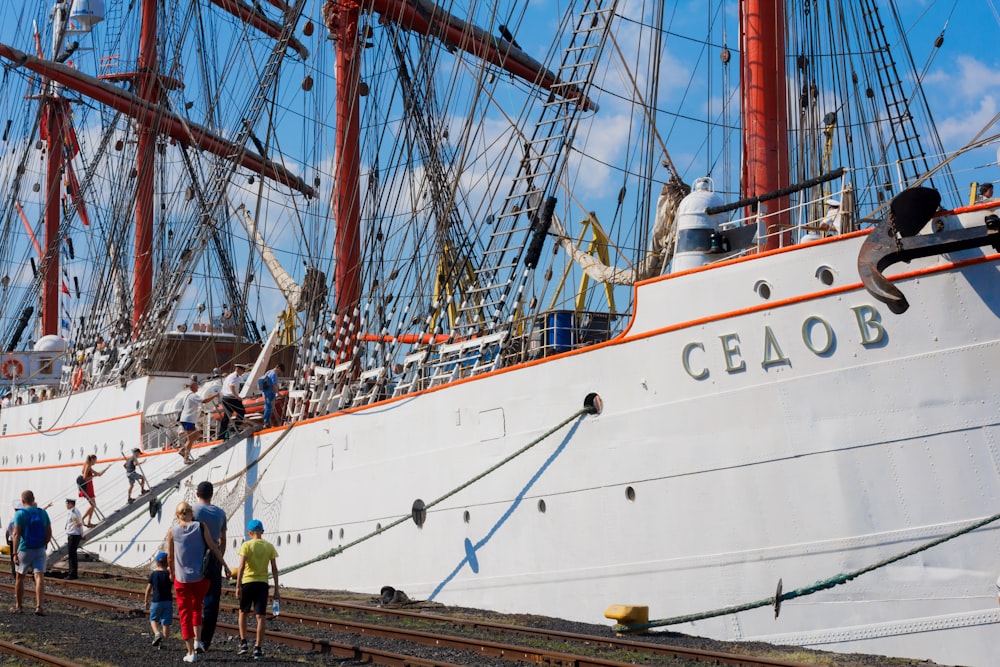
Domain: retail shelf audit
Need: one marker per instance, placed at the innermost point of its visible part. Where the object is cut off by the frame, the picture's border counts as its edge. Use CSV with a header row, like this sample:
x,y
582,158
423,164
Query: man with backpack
x,y
32,532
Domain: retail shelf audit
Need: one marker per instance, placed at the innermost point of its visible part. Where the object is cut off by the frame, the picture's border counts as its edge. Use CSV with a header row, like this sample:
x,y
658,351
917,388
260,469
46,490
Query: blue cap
x,y
255,525
162,556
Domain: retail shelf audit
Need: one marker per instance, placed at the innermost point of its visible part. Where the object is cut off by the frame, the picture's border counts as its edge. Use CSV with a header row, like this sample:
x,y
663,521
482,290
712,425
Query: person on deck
x,y
831,223
232,405
985,192
268,385
189,418
86,484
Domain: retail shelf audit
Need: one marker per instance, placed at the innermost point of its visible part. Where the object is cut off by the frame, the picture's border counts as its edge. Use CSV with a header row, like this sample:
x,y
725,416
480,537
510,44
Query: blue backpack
x,y
263,383
34,534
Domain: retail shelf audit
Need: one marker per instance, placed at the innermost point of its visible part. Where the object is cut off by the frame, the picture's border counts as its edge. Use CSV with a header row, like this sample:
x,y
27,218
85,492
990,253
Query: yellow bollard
x,y
628,614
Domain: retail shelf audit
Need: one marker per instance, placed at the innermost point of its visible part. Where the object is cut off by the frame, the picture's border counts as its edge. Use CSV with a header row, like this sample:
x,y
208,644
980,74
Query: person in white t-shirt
x,y
190,411
74,533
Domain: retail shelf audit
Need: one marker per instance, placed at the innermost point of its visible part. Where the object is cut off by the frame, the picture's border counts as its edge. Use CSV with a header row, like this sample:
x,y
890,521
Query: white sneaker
x,y
192,657
198,647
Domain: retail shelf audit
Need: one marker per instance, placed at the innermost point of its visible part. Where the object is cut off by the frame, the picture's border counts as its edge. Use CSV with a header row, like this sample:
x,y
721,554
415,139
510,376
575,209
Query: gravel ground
x,y
102,638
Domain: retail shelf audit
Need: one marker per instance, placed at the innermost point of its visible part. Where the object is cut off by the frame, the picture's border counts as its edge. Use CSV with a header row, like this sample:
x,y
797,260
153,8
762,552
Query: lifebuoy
x,y
12,368
77,378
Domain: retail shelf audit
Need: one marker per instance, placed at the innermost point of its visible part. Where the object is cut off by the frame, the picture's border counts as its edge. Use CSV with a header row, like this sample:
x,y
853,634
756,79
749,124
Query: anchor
x,y
896,240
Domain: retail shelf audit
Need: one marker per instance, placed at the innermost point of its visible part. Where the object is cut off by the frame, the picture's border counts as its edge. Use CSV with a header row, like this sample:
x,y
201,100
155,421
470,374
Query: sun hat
x,y
255,526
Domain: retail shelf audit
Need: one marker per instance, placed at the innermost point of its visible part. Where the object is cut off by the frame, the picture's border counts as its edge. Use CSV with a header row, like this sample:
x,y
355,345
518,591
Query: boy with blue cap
x,y
251,584
161,608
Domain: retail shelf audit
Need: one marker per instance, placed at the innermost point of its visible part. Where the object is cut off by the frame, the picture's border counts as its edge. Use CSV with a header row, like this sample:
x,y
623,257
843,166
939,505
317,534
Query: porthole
x,y
288,538
298,538
418,513
763,289
630,494
329,534
824,274
466,516
279,540
378,527
541,506
341,533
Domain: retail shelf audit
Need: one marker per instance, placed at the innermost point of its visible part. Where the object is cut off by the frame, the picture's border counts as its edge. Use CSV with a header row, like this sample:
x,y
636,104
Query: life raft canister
x,y
12,368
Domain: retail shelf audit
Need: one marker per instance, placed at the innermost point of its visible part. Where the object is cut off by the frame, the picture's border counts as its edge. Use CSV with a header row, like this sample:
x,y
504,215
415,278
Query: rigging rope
x,y
815,587
342,548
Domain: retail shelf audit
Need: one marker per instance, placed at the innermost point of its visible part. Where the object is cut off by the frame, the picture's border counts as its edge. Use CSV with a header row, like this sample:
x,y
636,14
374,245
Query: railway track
x,y
25,653
482,639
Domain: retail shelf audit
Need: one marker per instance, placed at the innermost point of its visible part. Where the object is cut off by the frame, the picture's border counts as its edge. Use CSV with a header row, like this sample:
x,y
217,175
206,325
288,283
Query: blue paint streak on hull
x,y
471,557
252,452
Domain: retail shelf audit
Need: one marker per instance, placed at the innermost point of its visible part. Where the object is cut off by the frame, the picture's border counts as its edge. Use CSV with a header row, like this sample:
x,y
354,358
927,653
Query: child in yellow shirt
x,y
251,584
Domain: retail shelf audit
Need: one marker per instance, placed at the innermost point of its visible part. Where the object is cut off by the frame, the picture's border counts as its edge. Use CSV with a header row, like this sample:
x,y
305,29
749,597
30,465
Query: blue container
x,y
560,331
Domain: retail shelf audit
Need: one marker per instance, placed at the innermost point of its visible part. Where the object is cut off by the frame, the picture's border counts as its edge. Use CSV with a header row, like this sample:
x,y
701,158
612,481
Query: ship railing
x,y
467,358
298,404
335,393
799,212
370,387
411,375
799,222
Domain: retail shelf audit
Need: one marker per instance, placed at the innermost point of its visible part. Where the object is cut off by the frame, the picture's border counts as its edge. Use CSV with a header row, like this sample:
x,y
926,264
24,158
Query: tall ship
x,y
573,305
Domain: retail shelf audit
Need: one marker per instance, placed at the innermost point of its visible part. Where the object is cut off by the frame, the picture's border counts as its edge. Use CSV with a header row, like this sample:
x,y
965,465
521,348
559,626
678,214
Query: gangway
x,y
116,517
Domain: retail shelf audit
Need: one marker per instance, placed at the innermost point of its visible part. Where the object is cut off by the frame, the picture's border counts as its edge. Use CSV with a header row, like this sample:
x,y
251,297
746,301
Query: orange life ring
x,y
12,368
77,378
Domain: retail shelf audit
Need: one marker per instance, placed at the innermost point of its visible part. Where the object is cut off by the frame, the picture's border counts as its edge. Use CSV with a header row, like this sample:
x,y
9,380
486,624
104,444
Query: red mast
x,y
342,21
54,110
149,91
765,114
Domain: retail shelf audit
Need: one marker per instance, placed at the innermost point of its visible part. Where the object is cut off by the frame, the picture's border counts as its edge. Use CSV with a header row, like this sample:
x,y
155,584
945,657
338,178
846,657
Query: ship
x,y
576,312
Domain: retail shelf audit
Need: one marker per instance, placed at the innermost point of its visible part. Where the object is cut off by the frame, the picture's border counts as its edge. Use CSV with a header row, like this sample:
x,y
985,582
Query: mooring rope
x,y
344,547
821,585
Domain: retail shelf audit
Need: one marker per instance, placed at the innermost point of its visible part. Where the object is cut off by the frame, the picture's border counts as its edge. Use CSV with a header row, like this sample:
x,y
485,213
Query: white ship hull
x,y
742,440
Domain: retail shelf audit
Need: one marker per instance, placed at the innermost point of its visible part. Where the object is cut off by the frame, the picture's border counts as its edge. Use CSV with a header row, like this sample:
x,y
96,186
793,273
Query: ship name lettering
x,y
818,336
